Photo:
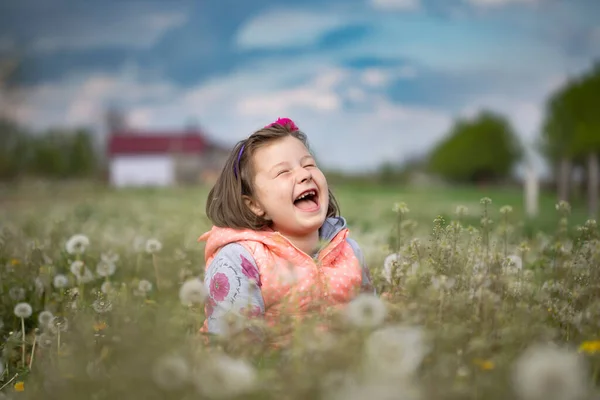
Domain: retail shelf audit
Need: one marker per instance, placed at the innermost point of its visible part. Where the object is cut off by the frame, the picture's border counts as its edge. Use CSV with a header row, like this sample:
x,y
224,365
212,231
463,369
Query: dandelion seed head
x,y
513,264
105,268
102,306
144,286
153,246
366,311
58,324
45,340
107,287
17,293
225,377
44,318
395,351
545,372
109,257
77,268
60,281
193,291
77,244
171,372
23,310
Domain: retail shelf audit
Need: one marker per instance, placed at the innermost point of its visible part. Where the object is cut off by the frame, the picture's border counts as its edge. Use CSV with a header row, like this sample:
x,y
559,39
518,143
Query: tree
x,y
571,132
484,149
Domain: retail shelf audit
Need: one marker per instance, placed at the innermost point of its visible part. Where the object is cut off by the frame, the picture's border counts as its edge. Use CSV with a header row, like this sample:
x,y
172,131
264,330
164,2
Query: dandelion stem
x,y
156,272
7,383
32,352
23,345
58,342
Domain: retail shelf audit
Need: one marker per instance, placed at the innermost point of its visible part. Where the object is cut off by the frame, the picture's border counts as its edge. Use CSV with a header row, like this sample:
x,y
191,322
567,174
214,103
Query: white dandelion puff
x,y
225,377
102,306
45,340
23,310
60,281
513,264
107,287
44,318
171,372
109,257
77,267
86,277
17,293
153,246
39,286
58,324
395,352
366,311
391,265
193,291
546,372
105,268
144,286
77,244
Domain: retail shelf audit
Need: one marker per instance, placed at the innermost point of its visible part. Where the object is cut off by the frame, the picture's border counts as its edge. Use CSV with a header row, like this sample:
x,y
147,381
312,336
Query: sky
x,y
368,81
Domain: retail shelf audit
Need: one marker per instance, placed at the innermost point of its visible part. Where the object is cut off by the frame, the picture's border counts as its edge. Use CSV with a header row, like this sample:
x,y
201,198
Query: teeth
x,y
312,192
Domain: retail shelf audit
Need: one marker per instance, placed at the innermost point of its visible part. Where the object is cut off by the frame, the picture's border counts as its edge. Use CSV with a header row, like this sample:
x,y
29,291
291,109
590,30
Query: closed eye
x,y
282,172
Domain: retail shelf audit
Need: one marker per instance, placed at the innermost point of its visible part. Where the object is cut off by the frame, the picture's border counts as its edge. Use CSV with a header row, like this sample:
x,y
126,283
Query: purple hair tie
x,y
236,167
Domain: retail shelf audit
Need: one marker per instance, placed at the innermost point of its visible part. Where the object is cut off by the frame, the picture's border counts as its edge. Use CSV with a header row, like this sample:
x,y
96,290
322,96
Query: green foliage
x,y
52,154
482,149
572,124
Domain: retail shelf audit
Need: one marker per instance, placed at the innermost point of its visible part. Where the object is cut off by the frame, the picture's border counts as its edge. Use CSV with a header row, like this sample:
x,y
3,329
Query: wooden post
x,y
531,184
593,176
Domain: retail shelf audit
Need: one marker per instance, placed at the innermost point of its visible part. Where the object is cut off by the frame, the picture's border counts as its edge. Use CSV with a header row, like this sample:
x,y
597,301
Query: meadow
x,y
474,301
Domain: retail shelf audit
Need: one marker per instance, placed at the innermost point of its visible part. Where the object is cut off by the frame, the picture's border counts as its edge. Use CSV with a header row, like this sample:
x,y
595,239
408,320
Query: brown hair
x,y
225,205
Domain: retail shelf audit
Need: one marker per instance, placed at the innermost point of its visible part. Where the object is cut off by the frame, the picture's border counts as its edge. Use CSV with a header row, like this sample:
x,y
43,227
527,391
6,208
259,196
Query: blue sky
x,y
367,80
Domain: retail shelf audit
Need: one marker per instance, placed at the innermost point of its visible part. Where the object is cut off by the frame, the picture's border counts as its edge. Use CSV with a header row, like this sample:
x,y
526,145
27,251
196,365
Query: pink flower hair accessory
x,y
284,122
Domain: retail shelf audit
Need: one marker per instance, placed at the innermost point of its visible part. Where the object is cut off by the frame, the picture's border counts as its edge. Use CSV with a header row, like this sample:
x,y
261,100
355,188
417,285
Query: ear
x,y
254,206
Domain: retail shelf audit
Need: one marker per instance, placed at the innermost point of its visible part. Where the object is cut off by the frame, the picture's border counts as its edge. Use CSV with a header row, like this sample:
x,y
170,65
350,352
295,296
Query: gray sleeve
x,y
367,283
228,278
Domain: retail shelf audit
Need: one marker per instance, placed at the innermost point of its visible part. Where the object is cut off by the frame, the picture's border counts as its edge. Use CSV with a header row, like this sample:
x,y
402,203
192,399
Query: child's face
x,y
284,172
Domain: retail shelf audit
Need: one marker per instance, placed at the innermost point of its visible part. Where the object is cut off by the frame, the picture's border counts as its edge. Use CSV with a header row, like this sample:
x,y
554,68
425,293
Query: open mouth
x,y
307,200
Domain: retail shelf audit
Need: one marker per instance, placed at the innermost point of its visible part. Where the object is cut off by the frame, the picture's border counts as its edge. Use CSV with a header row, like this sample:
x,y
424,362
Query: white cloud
x,y
395,5
137,28
499,3
283,28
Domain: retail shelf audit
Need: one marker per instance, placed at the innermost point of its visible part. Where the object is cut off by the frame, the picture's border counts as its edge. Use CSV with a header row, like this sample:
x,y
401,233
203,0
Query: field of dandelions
x,y
100,299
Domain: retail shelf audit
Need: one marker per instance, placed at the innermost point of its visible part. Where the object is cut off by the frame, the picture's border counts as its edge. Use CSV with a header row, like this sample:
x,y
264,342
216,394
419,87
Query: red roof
x,y
163,143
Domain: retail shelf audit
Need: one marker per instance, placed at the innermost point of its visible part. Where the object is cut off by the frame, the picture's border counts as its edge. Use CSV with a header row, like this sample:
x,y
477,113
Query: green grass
x,y
475,329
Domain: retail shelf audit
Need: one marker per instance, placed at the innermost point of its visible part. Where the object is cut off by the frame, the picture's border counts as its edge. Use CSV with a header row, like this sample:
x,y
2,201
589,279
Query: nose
x,y
303,175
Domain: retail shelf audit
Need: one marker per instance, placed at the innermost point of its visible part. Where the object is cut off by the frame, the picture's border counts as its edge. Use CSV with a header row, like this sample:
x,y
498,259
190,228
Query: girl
x,y
277,241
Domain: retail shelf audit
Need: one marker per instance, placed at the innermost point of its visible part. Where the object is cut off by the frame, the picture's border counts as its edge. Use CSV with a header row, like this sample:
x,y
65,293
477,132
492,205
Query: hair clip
x,y
284,122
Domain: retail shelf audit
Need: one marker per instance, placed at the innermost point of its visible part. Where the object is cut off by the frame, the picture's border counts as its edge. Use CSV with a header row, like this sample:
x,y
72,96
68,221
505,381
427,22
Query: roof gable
x,y
159,143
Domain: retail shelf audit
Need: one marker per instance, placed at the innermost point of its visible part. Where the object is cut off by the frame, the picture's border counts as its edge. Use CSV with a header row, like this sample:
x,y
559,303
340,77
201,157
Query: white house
x,y
162,159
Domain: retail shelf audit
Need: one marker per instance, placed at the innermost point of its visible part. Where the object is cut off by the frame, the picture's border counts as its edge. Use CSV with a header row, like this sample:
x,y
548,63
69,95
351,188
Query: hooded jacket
x,y
261,273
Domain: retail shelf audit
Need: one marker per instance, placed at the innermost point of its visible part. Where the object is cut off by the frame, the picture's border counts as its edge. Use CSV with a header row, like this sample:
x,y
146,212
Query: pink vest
x,y
293,283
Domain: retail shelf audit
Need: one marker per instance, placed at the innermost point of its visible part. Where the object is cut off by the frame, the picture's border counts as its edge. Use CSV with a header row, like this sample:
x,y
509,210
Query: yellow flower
x,y
99,326
14,261
485,365
20,386
590,347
